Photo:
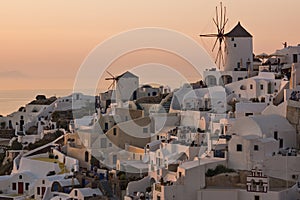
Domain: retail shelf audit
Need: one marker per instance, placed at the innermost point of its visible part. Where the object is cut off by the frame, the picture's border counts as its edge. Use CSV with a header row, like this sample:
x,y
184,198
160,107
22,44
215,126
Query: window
x,y
86,156
238,64
234,44
248,114
256,197
239,147
275,135
256,148
115,131
103,143
251,86
212,81
261,86
14,186
38,190
55,187
145,130
295,58
232,39
114,159
20,177
180,174
43,181
240,78
242,87
133,156
280,143
76,193
26,186
157,161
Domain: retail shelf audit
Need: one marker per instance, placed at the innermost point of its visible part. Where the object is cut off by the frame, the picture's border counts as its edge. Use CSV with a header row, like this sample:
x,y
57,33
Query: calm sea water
x,y
12,100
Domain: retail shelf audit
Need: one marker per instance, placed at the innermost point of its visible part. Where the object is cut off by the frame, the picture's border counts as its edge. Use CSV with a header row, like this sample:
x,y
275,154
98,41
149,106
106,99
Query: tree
x,y
16,145
40,97
218,170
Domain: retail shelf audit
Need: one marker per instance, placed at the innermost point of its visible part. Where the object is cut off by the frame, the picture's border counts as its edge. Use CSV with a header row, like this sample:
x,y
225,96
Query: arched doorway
x,y
21,123
225,79
86,156
210,80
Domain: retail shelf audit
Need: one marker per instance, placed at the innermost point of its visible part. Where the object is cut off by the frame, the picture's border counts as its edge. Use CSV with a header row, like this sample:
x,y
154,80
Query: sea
x,y
12,100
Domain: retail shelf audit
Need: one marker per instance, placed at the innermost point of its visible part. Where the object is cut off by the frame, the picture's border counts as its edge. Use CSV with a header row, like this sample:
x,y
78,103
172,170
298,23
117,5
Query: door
x,y
20,187
43,190
280,143
21,124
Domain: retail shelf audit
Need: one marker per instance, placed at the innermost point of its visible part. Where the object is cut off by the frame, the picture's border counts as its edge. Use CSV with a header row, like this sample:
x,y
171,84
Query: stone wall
x,y
293,116
227,180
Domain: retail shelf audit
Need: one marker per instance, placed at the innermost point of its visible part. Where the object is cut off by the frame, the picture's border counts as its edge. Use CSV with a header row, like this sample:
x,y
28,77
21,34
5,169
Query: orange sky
x,y
43,43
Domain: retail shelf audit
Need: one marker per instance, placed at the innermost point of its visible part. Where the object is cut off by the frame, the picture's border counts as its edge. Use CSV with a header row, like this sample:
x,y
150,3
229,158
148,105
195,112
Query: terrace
x,y
53,160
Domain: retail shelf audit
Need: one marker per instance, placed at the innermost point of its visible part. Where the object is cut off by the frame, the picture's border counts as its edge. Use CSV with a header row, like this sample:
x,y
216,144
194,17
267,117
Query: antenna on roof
x,y
284,44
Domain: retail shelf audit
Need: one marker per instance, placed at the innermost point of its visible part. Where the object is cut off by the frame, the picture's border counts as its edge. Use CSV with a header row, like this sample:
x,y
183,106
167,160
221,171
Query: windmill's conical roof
x,y
238,31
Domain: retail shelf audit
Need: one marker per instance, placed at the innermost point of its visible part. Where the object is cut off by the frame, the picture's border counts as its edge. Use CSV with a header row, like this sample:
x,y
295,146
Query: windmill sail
x,y
220,21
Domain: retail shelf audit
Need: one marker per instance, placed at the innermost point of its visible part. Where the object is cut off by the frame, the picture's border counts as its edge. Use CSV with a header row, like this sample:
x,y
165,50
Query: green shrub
x,y
6,168
220,169
123,177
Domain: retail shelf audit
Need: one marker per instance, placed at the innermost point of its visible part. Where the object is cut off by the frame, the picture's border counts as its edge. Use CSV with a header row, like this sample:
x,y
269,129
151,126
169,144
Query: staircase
x,y
105,188
166,103
279,98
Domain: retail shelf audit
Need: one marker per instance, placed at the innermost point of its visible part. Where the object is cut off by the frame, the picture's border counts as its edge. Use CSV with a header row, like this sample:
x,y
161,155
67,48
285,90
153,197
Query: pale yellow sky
x,y
43,43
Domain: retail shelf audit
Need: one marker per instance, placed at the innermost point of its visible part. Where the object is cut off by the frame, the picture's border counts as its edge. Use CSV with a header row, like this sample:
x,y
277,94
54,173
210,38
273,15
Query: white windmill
x,y
235,50
125,86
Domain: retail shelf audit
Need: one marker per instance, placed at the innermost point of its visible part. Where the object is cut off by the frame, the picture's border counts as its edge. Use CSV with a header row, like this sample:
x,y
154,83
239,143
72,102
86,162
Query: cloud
x,y
13,74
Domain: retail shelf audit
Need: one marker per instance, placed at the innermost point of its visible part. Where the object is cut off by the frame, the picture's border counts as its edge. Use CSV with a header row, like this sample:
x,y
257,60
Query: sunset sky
x,y
43,43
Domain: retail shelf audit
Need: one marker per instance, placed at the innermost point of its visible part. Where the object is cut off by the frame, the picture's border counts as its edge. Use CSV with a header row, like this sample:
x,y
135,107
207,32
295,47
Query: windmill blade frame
x,y
113,78
215,44
209,35
110,74
112,85
220,21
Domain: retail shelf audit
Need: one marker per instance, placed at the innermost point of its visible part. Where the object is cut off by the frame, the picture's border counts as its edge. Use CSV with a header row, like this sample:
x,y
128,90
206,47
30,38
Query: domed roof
x,y
261,125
